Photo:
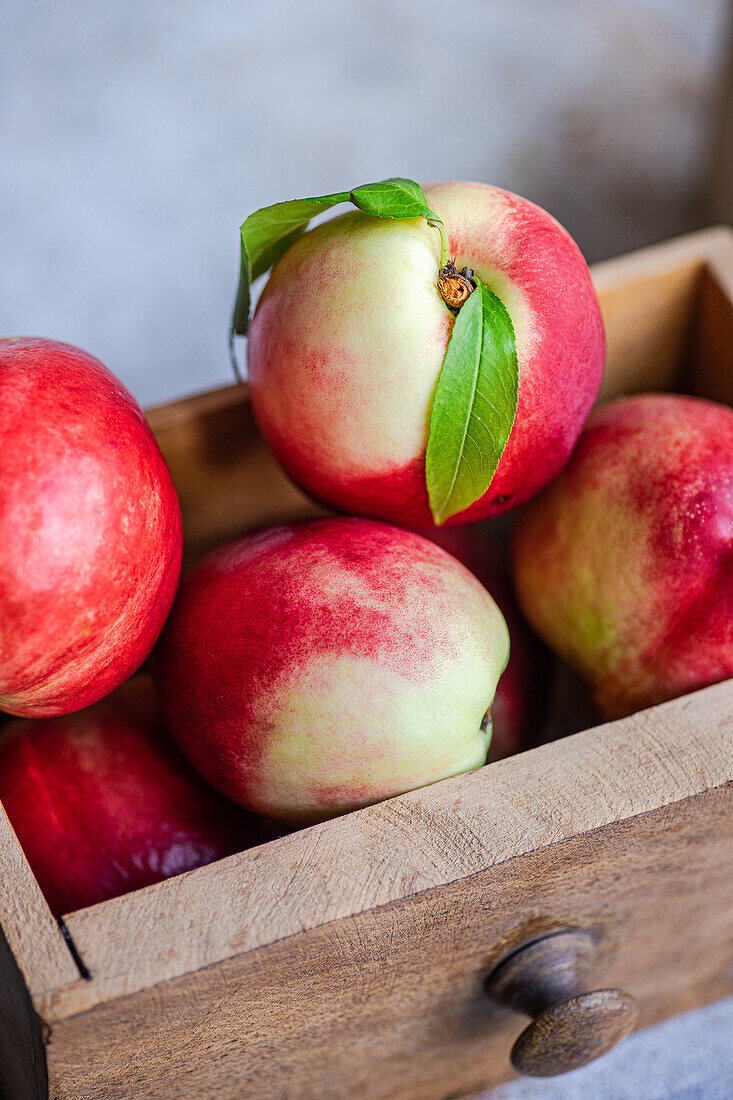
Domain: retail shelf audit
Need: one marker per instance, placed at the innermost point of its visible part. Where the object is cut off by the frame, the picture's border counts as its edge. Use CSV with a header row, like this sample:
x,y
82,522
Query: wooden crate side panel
x,y
651,302
711,373
417,842
647,328
23,1074
227,480
389,1004
27,923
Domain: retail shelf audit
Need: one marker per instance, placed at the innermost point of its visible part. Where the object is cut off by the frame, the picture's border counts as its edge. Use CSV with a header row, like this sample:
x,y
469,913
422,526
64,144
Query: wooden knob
x,y
547,979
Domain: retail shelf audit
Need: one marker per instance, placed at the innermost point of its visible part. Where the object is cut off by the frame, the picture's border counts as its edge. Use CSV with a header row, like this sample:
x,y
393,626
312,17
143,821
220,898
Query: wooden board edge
x,y
23,1070
720,259
30,929
214,991
692,250
416,842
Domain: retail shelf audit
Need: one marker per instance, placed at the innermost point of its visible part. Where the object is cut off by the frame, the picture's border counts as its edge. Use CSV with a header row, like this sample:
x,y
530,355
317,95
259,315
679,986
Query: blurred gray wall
x,y
136,136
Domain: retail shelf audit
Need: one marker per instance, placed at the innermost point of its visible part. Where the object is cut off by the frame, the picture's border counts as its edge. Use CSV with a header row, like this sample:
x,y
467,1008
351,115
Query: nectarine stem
x,y
436,223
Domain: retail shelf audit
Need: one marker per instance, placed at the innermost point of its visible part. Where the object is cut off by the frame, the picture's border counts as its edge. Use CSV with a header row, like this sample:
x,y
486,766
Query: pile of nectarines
x,y
313,668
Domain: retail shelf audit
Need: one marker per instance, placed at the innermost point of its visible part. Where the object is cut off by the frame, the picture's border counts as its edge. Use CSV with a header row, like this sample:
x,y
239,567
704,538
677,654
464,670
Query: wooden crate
x,y
349,959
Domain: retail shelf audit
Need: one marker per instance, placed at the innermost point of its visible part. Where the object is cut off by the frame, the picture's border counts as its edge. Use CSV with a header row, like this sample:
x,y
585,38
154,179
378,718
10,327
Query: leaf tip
x,y
438,511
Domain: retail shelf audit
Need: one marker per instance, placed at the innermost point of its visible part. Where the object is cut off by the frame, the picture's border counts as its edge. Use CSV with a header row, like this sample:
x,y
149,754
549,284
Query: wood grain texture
x,y
428,838
390,1004
34,961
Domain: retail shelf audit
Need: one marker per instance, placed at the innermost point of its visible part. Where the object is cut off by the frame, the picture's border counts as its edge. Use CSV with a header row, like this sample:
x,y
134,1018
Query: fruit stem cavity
x,y
455,286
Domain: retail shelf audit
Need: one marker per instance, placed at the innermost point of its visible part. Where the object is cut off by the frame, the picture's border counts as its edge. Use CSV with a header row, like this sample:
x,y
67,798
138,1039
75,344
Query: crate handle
x,y
546,979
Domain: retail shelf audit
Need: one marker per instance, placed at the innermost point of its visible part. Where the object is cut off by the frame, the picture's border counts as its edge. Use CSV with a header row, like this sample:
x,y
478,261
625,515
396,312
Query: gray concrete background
x,y
136,136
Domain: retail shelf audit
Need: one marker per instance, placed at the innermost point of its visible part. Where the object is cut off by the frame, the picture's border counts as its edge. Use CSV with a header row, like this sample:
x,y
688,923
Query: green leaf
x,y
393,198
267,234
474,406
